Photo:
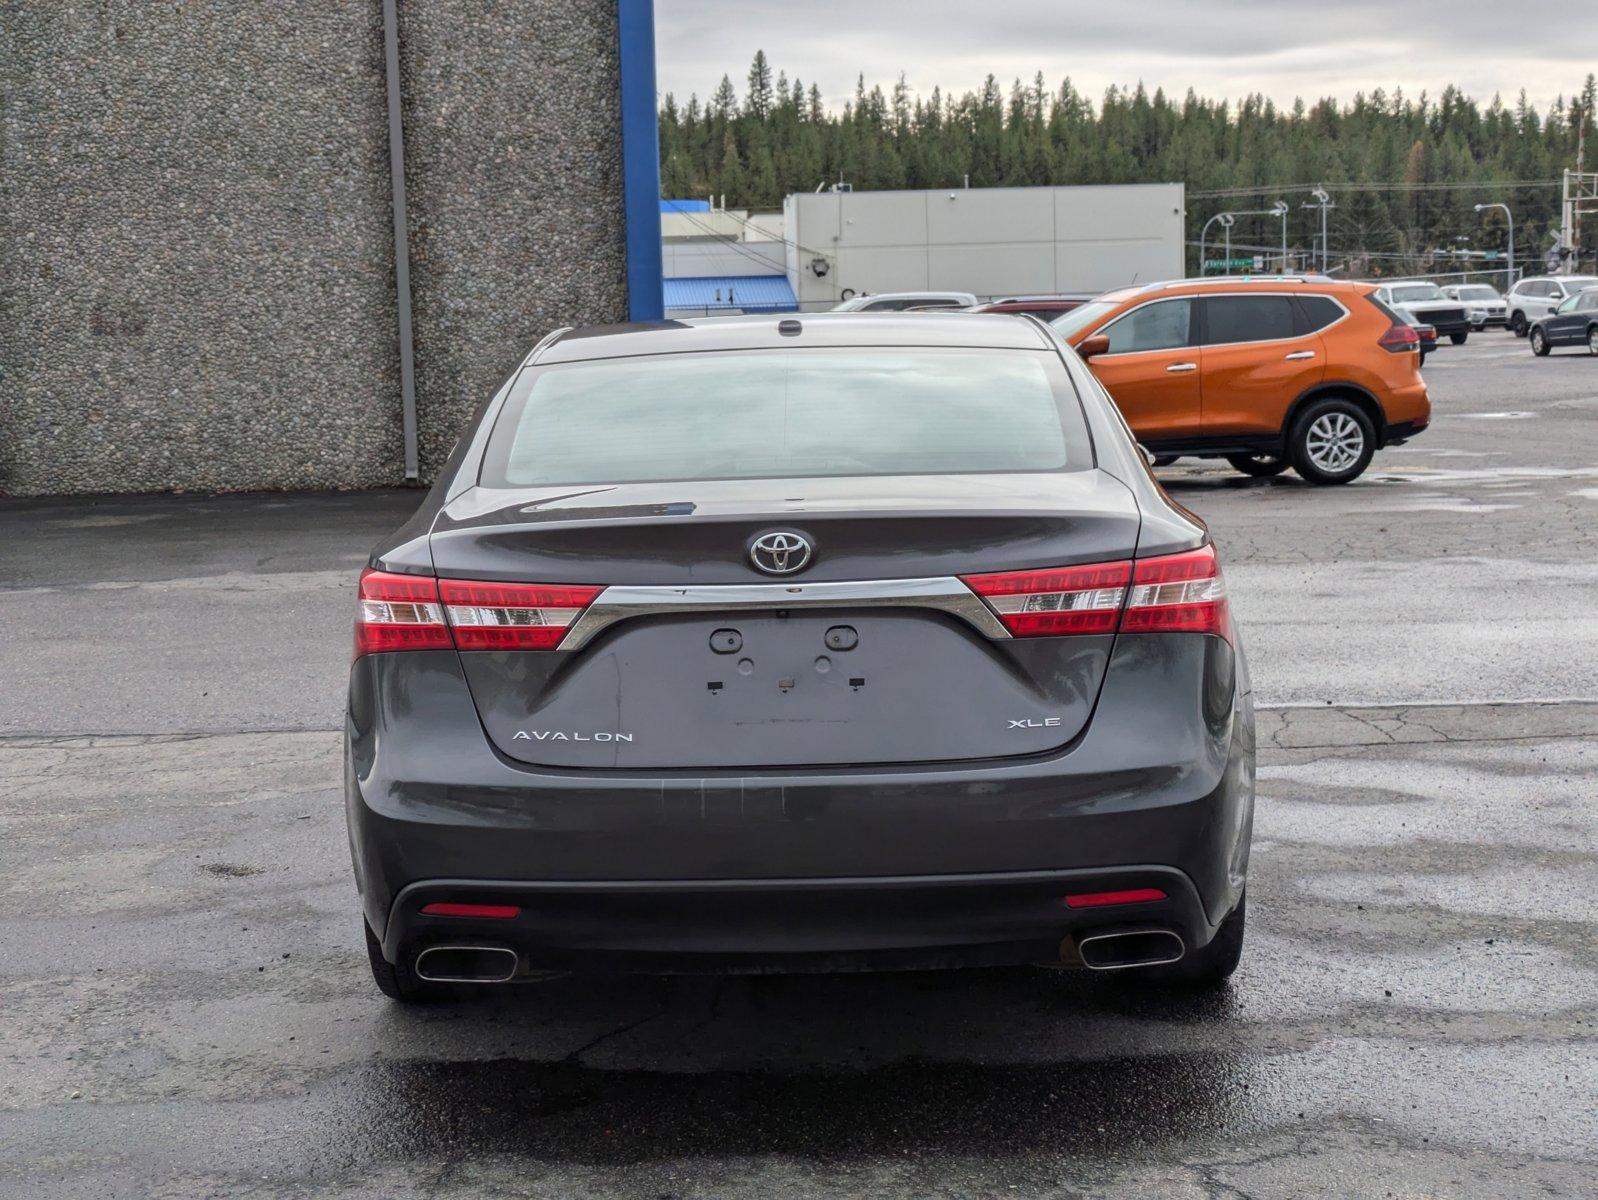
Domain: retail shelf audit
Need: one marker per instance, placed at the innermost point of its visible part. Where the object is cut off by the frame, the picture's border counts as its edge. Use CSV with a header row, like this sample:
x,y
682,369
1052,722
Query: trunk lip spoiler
x,y
622,602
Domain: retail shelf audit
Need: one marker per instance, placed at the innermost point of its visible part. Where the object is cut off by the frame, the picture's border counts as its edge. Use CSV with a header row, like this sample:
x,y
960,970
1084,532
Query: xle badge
x,y
1034,723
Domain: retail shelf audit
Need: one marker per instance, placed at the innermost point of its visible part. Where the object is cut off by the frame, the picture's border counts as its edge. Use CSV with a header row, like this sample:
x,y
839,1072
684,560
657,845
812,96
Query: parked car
x,y
1421,302
900,301
1266,373
757,644
1573,323
1428,339
1483,305
1045,308
1532,299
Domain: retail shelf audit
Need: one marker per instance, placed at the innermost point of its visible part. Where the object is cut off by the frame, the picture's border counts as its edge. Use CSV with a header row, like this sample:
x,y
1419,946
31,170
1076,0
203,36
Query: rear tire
x,y
1332,441
1458,338
1539,343
1260,466
396,980
1517,324
1592,340
1209,966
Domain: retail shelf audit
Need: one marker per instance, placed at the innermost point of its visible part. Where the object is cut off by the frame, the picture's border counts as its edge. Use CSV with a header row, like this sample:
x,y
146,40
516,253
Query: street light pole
x,y
1279,209
1509,274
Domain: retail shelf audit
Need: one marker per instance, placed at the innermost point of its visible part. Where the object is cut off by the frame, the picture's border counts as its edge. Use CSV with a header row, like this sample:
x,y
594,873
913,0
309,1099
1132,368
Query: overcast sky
x,y
1220,48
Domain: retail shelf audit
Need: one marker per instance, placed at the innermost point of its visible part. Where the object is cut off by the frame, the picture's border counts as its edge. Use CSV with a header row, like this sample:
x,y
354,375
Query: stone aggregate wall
x,y
196,244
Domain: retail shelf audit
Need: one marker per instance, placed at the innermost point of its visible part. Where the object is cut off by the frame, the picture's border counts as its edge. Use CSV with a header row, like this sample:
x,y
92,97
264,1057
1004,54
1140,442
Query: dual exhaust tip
x,y
467,964
1122,948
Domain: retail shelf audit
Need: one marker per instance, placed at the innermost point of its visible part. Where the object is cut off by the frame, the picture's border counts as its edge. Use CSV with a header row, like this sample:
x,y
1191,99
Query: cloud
x,y
1219,48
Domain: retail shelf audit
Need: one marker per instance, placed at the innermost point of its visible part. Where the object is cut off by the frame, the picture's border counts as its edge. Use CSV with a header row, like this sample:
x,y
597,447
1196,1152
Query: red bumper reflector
x,y
1101,899
492,912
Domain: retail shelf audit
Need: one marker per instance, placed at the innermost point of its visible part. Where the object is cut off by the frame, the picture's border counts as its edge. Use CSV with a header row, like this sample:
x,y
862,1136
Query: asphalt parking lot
x,y
185,1007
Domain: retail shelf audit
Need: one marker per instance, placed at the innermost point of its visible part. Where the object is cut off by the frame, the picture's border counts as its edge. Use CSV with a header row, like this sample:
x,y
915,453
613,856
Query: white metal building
x,y
990,241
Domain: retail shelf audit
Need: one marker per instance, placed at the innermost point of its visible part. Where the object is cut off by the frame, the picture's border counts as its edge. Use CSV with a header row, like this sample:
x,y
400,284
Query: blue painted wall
x,y
640,151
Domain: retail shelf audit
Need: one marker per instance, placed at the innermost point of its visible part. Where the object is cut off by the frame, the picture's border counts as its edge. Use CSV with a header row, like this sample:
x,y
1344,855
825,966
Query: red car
x,y
1045,308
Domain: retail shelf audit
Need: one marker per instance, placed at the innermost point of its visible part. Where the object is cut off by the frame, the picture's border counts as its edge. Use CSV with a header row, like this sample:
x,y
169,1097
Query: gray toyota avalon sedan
x,y
816,643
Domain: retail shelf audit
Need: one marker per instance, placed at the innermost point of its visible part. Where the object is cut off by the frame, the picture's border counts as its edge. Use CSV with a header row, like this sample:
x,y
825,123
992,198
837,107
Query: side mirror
x,y
1097,344
1148,455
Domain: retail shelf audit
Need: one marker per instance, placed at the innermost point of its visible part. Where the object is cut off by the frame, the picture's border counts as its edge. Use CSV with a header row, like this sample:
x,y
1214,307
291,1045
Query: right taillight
x,y
1178,593
1399,338
1063,600
1171,593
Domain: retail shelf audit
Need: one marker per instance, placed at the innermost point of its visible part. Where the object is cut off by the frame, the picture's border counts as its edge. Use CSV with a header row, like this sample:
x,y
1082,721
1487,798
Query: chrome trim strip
x,y
943,594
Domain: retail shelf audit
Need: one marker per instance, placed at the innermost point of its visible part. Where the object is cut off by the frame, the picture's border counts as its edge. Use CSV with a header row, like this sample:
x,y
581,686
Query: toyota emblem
x,y
780,553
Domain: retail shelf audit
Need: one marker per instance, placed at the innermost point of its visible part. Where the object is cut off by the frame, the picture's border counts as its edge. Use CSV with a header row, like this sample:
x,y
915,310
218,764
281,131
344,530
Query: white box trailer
x,y
990,241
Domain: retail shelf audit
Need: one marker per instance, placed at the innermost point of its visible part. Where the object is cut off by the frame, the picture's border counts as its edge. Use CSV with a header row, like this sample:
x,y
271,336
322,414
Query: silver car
x,y
1483,303
1532,299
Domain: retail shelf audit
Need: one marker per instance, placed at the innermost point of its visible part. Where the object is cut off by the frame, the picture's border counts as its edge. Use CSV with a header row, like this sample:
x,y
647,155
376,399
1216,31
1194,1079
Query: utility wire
x,y
1435,186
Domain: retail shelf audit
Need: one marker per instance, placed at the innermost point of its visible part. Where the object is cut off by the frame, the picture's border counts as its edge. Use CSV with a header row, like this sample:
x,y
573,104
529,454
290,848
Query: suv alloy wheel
x,y
1332,442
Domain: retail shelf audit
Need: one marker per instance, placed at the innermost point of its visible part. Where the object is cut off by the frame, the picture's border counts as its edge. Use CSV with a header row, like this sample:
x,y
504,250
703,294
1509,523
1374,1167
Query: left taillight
x,y
399,612
512,616
418,612
1168,593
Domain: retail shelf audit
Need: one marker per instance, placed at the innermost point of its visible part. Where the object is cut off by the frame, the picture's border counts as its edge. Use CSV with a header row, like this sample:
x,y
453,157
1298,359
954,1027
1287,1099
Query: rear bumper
x,y
828,924
824,869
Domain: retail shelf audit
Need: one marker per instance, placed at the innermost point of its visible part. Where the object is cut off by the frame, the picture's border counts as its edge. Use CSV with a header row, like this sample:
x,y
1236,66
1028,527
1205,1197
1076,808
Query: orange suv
x,y
1268,374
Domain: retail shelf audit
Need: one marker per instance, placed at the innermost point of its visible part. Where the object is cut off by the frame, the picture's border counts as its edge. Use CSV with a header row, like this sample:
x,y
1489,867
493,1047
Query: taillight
x,y
418,612
1059,601
1178,593
399,612
1173,593
512,616
1399,338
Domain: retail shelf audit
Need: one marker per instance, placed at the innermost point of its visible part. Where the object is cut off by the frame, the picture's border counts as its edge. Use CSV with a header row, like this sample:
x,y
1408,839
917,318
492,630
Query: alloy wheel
x,y
1334,442
1592,340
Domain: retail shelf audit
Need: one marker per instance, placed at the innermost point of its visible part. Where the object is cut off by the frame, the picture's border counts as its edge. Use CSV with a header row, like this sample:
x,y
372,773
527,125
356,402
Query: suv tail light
x,y
1173,593
1399,338
418,612
512,616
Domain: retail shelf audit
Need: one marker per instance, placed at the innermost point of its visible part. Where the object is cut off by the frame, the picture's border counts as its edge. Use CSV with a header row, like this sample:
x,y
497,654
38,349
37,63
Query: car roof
x,y
761,332
1226,283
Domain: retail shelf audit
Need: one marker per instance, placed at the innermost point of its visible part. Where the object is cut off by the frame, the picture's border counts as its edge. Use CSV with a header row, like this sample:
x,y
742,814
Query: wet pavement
x,y
185,1008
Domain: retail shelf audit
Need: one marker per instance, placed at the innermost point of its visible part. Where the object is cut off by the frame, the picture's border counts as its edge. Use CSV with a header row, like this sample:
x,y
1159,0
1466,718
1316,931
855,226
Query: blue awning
x,y
731,293
680,206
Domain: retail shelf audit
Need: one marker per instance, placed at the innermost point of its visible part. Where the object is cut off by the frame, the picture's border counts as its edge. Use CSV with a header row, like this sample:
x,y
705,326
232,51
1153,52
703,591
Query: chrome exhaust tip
x,y
466,964
1122,948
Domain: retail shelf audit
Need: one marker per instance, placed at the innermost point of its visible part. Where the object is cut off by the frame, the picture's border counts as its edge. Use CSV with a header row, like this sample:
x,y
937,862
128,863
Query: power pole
x,y
1578,195
1323,201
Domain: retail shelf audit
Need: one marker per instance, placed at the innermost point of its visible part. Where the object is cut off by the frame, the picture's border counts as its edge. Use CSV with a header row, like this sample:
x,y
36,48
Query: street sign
x,y
1229,264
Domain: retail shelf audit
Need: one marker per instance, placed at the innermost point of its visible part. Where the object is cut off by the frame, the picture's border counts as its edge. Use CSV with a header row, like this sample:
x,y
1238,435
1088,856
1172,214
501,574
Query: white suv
x,y
900,301
1530,300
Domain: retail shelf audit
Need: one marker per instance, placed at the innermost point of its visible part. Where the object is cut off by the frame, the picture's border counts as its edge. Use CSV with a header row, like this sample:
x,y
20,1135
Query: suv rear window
x,y
1248,319
1318,312
761,414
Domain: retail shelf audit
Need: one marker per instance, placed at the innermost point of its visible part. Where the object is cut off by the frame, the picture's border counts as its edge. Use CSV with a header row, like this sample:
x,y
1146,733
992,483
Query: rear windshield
x,y
1477,293
757,414
1081,317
